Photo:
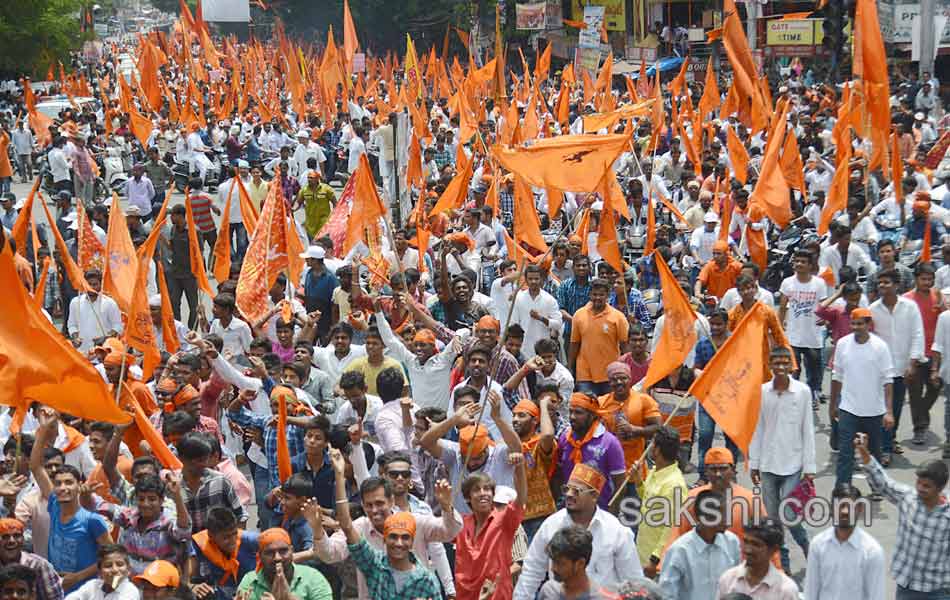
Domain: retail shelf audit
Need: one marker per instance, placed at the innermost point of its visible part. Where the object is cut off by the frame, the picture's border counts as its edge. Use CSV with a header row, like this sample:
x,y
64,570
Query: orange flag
x,y
118,280
23,219
925,245
169,332
568,162
771,192
897,171
367,207
710,100
73,272
222,246
679,331
89,249
740,56
28,342
414,168
40,290
284,468
543,66
249,214
159,448
607,244
838,192
139,332
141,126
870,63
527,226
755,239
194,249
651,227
583,230
792,167
350,42
730,387
455,193
738,156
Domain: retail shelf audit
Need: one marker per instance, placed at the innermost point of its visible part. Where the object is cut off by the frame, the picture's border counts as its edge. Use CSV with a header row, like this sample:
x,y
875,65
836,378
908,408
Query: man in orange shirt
x,y
539,450
719,274
631,416
598,332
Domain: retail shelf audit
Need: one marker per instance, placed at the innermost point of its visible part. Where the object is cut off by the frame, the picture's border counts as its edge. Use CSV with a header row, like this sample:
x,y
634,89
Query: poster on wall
x,y
530,16
594,19
614,14
553,14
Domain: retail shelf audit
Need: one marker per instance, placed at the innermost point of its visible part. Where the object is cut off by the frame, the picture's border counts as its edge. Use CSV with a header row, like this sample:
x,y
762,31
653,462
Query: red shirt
x,y
930,306
201,209
487,556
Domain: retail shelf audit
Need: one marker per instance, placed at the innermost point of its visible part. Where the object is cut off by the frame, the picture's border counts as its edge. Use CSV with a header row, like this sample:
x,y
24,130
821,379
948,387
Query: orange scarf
x,y
74,439
576,456
230,566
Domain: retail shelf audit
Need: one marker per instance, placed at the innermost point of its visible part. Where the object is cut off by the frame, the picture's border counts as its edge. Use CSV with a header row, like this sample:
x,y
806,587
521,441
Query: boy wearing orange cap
x,y
277,576
159,580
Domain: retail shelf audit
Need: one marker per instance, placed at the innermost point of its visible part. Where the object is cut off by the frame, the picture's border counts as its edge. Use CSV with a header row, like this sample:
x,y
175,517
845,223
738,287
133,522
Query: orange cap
x,y
400,522
488,322
425,336
582,400
861,313
589,476
719,456
185,395
167,385
460,238
720,246
161,574
9,525
280,390
272,536
474,437
528,406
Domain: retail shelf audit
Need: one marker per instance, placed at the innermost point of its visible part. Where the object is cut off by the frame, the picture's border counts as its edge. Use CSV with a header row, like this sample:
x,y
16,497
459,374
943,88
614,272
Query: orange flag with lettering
x,y
737,156
169,332
194,249
38,364
679,331
118,280
139,332
573,163
730,387
222,246
527,225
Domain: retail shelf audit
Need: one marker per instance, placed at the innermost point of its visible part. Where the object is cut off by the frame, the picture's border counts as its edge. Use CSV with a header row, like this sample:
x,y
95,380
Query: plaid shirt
x,y
213,490
506,205
419,584
570,297
52,292
161,539
635,306
48,583
443,157
923,536
268,425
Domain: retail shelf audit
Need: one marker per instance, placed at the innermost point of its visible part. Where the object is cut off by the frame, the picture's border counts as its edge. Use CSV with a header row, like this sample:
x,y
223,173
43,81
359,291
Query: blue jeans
x,y
898,394
265,514
810,360
707,429
776,488
946,413
590,387
239,240
850,425
908,594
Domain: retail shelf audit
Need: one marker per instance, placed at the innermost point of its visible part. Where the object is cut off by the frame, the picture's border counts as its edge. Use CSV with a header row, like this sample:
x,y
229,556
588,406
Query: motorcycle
x,y
113,167
780,256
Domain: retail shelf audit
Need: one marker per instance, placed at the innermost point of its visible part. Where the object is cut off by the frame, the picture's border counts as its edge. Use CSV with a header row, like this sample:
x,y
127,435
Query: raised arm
x,y
342,502
45,436
465,415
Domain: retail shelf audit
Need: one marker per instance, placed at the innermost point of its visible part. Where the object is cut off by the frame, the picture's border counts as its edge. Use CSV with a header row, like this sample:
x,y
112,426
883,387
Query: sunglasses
x,y
399,474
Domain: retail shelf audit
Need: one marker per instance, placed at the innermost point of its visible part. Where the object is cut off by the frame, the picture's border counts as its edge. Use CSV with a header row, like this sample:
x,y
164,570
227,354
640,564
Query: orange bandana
x,y
229,565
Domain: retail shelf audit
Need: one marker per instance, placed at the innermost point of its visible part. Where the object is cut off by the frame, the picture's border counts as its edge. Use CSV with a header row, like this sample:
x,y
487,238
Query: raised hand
x,y
337,461
443,494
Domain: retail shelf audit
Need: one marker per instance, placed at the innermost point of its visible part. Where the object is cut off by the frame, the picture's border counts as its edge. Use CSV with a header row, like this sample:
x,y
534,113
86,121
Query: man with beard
x,y
47,585
277,576
478,366
845,561
538,448
384,544
588,441
456,308
614,557
570,550
631,416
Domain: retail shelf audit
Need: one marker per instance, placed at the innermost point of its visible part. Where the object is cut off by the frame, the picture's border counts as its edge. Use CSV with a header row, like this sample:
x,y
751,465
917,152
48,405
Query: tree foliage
x,y
37,33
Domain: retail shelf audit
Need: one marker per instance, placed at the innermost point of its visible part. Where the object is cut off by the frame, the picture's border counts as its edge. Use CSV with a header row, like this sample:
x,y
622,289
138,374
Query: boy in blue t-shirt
x,y
75,533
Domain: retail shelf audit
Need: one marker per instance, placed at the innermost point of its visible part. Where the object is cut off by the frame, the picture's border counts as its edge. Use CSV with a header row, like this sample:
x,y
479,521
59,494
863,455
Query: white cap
x,y
919,116
504,494
243,164
155,300
133,211
74,226
314,252
710,217
20,203
303,133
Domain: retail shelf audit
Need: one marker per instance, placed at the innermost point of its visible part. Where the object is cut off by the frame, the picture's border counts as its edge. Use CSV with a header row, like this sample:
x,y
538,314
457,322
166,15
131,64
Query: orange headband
x,y
581,400
488,322
861,313
528,406
425,336
474,437
10,526
400,522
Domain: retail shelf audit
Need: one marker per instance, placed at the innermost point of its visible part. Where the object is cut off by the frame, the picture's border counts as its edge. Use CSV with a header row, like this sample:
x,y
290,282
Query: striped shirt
x,y
161,539
201,209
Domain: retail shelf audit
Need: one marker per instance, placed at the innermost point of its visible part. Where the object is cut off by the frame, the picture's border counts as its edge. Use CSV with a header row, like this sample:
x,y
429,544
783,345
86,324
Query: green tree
x,y
37,33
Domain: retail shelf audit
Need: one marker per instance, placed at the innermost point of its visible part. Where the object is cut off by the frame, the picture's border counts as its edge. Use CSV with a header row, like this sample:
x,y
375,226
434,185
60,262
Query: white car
x,y
51,107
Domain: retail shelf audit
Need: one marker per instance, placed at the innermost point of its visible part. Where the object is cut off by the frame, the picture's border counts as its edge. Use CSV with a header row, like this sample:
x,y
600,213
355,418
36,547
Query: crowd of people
x,y
446,409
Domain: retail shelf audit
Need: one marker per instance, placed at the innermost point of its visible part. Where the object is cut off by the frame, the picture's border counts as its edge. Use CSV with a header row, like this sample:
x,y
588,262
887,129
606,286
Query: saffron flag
x,y
28,345
574,163
40,291
169,332
118,280
738,156
222,245
139,332
73,272
89,249
455,193
194,249
838,192
679,329
350,42
527,226
607,244
897,170
249,214
284,468
159,448
23,218
367,207
730,387
870,64
771,191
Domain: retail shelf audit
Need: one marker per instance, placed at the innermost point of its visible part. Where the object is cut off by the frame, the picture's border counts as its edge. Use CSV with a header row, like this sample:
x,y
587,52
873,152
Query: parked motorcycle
x,y
780,256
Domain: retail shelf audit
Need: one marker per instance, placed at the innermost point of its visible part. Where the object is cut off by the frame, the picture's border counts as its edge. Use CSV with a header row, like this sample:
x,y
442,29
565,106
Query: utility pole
x,y
928,37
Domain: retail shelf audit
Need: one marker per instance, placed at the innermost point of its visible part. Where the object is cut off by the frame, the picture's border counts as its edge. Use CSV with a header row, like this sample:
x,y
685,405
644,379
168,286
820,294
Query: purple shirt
x,y
286,355
602,452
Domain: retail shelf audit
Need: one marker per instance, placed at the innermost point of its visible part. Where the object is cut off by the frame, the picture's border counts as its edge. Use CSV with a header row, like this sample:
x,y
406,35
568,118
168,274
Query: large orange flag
x,y
367,207
730,387
28,373
23,219
73,272
139,332
737,156
573,163
141,126
771,192
543,66
350,42
527,226
169,332
792,167
194,249
679,330
870,63
740,56
118,280
222,245
455,193
607,244
838,192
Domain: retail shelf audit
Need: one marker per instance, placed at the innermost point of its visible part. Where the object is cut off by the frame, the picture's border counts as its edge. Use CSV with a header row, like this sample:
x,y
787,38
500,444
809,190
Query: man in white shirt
x,y
339,353
731,298
940,368
701,240
782,451
861,384
898,322
845,561
801,294
235,332
23,143
92,315
356,149
59,166
614,559
536,311
195,152
307,149
819,178
842,252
